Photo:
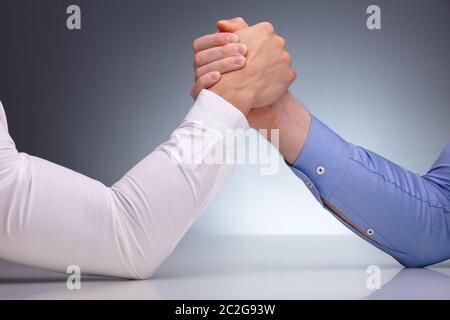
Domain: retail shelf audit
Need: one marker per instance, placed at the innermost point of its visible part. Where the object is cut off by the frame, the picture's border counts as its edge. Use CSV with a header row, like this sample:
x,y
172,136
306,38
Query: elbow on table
x,y
428,242
432,253
145,273
138,265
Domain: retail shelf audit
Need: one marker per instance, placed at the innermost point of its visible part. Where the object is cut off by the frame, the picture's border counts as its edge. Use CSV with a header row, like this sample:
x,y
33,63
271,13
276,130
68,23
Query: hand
x,y
267,73
214,55
211,61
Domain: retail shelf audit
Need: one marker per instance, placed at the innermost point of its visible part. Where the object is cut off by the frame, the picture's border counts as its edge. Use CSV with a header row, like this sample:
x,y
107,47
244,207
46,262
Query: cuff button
x,y
320,170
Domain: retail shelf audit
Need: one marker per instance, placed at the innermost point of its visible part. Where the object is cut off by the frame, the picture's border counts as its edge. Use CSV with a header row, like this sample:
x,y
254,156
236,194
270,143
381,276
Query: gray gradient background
x,y
100,99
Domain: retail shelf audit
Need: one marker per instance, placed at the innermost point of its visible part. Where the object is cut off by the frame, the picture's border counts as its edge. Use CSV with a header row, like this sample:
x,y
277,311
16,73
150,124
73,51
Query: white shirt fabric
x,y
52,217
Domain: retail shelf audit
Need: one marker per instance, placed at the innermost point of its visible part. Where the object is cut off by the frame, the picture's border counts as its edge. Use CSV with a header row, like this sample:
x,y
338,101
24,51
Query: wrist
x,y
294,121
243,101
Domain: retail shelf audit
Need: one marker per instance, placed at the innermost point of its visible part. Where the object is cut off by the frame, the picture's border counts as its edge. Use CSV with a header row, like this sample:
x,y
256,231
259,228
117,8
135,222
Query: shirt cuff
x,y
215,112
323,161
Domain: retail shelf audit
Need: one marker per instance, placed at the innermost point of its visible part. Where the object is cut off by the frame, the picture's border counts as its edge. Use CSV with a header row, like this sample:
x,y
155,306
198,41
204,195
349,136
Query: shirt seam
x,y
342,176
445,209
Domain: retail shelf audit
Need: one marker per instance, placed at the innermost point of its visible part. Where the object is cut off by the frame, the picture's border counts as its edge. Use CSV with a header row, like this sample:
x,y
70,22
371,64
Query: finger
x,y
213,54
231,25
205,82
214,40
223,66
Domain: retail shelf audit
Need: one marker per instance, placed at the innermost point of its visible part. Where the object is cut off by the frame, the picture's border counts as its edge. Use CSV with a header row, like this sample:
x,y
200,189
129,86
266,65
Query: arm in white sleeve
x,y
52,217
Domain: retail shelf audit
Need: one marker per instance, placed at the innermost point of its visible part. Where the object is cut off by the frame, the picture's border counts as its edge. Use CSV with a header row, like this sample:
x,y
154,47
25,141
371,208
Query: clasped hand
x,y
247,66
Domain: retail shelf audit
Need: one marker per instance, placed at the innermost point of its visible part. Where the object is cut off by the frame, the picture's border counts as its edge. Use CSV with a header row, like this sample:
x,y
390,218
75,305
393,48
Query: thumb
x,y
231,25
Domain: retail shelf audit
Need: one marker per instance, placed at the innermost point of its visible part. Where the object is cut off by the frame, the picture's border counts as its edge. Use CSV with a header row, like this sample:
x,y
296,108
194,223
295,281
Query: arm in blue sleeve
x,y
404,214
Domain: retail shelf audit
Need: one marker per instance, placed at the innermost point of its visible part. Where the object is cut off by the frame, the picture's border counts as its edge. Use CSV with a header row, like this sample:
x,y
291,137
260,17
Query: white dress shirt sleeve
x,y
52,217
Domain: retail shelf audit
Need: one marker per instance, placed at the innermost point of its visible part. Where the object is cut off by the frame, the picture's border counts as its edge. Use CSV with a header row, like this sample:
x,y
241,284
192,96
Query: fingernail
x,y
240,48
239,60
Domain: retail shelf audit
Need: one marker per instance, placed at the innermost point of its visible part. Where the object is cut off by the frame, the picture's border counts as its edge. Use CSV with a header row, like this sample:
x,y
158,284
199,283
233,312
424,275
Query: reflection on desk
x,y
247,267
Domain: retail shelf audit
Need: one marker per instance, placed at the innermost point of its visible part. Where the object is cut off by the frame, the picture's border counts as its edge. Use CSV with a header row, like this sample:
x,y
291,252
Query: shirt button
x,y
370,232
320,170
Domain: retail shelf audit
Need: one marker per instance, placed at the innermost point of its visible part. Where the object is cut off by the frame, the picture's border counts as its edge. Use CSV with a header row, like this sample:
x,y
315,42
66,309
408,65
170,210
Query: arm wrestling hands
x,y
249,67
401,213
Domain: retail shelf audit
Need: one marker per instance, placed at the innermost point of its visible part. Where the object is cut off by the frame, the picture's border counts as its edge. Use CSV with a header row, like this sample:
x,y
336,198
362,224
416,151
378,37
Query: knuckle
x,y
281,42
195,44
201,83
224,64
224,38
293,75
267,26
216,40
226,50
197,60
287,57
198,73
221,39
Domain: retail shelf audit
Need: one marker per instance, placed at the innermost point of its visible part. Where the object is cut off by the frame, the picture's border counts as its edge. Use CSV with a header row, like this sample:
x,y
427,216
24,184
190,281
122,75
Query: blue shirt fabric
x,y
404,214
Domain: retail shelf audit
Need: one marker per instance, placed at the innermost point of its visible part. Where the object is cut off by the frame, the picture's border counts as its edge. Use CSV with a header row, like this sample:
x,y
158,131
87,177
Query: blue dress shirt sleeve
x,y
404,214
